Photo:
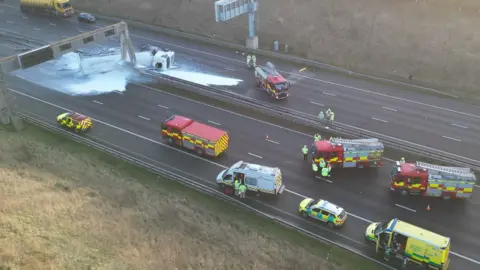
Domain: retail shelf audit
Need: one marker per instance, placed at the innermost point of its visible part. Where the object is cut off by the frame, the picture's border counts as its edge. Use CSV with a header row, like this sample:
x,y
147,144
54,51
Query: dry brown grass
x,y
435,41
89,211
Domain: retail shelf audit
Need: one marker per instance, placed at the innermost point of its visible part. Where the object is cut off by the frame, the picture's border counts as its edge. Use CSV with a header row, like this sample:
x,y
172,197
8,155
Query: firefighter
x,y
242,190
325,172
321,116
322,163
331,118
328,112
314,167
387,253
317,137
305,152
236,186
402,160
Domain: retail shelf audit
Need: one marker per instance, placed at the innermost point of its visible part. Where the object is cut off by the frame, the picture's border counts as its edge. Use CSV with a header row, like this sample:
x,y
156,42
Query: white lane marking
x,y
121,129
21,77
9,46
268,140
98,102
165,107
459,126
231,69
406,208
320,80
200,158
81,31
212,122
52,24
36,29
477,186
329,94
323,179
381,120
319,104
64,37
255,155
24,17
9,22
267,123
143,117
453,139
390,109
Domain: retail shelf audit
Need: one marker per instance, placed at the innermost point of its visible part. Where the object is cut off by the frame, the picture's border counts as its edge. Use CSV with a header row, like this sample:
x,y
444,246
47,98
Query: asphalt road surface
x,y
130,121
428,120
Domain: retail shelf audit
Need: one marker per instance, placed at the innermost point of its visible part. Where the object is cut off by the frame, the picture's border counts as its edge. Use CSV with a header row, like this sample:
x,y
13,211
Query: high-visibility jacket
x,y
305,150
332,116
314,167
236,184
322,163
325,172
242,188
317,137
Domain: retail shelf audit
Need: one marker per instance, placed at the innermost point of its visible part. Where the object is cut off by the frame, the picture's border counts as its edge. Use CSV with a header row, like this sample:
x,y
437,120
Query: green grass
x,y
68,206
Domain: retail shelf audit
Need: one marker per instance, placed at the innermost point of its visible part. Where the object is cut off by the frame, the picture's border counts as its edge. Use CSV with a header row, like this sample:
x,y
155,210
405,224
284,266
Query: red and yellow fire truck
x,y
426,179
271,81
195,136
344,153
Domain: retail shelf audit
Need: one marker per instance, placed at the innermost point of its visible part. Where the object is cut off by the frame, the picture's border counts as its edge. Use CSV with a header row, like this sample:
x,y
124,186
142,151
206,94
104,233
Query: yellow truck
x,y
410,243
58,8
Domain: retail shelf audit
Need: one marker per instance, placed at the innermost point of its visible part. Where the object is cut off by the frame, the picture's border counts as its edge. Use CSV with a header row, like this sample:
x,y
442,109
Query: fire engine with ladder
x,y
344,153
432,180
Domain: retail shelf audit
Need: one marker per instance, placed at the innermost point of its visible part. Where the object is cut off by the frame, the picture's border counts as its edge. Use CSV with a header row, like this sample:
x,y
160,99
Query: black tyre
x,y
304,214
331,225
170,141
199,152
404,192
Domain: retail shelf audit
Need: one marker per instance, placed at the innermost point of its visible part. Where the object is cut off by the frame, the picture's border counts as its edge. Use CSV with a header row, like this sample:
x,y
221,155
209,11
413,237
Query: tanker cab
x,y
64,8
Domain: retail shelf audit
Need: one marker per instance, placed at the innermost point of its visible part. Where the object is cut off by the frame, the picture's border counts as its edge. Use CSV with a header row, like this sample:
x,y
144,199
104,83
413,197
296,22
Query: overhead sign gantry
x,y
54,50
229,9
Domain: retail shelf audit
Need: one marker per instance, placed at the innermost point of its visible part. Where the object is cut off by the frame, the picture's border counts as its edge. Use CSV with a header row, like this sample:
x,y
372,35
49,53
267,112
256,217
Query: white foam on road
x,y
202,78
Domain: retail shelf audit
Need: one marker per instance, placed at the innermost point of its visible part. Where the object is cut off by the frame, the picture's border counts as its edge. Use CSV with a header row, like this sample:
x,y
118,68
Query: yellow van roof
x,y
413,231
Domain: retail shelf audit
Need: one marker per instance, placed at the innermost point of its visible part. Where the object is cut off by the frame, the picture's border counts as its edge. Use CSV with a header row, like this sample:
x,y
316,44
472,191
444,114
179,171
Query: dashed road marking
x,y
329,94
231,69
319,104
268,140
161,106
303,69
323,179
25,17
64,37
453,139
406,208
459,126
21,77
98,102
36,29
143,117
52,24
9,46
255,155
381,120
390,109
9,22
212,122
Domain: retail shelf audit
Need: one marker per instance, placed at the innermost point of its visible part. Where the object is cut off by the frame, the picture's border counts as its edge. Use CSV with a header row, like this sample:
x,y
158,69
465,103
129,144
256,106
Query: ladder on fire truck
x,y
465,172
370,142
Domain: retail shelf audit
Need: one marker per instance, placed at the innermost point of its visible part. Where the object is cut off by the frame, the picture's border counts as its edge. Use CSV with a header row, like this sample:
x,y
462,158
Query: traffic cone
x,y
428,208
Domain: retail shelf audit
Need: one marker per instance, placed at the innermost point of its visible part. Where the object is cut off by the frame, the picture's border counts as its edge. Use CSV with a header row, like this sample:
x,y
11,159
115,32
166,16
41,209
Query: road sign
x,y
228,9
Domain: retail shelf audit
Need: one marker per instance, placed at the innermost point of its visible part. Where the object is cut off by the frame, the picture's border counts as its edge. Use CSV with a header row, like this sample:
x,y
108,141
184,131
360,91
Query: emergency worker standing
x,y
328,113
317,137
305,152
321,116
242,189
314,167
402,160
325,172
236,186
332,118
322,163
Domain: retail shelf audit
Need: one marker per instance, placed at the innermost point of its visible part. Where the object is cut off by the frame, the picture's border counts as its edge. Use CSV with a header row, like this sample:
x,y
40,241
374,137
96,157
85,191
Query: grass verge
x,y
67,206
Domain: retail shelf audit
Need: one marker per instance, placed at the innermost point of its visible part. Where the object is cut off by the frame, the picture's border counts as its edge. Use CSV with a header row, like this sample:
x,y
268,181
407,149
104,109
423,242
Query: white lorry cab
x,y
256,178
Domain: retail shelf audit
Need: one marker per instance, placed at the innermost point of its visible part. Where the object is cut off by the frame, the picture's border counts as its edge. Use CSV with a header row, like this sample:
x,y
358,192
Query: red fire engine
x,y
343,153
271,81
195,136
426,179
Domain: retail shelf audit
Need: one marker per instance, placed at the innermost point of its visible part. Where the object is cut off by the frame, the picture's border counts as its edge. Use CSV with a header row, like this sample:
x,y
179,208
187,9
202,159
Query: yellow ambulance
x,y
410,243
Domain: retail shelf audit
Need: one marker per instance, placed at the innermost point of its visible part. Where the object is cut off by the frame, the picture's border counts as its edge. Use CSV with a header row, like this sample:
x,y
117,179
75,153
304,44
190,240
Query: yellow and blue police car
x,y
324,211
75,121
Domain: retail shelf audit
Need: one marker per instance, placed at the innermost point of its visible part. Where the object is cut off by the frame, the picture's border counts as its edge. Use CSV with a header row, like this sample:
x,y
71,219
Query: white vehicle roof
x,y
260,169
330,207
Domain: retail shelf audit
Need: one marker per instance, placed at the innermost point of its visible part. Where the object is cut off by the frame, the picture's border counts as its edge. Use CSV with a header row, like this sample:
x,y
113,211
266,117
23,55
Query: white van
x,y
256,178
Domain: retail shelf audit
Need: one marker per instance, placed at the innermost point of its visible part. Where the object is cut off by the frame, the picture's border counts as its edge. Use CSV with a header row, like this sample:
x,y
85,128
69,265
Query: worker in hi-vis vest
x,y
322,163
317,137
325,172
314,167
305,152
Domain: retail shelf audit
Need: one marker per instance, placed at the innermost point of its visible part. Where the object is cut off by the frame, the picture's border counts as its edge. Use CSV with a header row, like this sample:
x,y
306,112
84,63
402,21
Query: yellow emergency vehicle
x,y
324,211
410,243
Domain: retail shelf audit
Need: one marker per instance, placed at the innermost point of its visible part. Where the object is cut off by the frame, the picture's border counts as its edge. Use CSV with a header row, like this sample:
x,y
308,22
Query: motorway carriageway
x,y
429,120
131,120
